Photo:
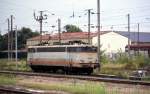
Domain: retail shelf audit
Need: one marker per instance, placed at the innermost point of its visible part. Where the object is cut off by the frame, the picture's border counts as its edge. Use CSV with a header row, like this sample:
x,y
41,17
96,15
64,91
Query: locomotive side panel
x,y
48,59
47,56
63,59
83,57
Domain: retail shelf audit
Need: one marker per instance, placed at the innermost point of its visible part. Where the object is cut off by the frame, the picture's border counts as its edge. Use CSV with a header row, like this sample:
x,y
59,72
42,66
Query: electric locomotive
x,y
68,58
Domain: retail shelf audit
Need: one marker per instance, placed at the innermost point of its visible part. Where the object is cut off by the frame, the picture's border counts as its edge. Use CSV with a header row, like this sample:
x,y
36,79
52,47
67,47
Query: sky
x,y
113,14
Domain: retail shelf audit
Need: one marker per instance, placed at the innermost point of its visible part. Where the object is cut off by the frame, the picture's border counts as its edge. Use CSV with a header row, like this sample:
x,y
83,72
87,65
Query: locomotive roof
x,y
62,46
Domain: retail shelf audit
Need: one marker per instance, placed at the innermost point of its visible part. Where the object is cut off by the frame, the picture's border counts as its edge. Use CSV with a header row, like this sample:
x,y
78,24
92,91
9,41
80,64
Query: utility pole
x,y
98,29
11,38
40,20
8,39
16,47
89,24
129,35
138,38
59,29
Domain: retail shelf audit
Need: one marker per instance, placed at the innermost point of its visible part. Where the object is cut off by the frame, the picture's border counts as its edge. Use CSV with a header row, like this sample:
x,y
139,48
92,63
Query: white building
x,y
111,42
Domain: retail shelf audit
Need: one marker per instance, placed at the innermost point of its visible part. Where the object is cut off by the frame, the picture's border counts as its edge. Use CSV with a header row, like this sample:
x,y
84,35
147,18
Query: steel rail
x,y
119,77
8,90
81,77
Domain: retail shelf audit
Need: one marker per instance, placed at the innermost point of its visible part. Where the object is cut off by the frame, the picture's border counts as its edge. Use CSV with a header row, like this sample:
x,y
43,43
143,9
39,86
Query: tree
x,y
23,35
1,41
72,28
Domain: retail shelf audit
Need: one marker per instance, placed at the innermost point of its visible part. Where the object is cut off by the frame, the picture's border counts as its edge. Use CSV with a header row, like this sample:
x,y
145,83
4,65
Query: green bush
x,y
143,61
133,62
122,58
104,59
131,65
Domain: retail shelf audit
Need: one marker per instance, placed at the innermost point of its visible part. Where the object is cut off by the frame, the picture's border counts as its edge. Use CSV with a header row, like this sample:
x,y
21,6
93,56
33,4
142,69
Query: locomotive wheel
x,y
90,71
35,69
54,70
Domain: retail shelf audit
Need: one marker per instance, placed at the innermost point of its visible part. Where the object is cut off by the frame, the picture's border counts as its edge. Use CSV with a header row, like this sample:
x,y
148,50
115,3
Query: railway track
x,y
10,90
118,77
82,77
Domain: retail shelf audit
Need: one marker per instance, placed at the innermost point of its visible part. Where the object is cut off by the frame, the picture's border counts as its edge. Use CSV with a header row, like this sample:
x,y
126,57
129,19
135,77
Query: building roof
x,y
61,46
143,36
65,36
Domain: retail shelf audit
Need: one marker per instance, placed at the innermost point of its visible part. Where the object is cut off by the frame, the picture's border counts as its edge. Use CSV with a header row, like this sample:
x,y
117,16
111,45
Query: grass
x,y
7,80
122,65
71,87
115,69
120,70
77,88
74,87
146,79
20,65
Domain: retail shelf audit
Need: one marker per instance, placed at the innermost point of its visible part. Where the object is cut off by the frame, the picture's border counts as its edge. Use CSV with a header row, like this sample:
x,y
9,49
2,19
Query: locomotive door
x,y
33,51
30,56
69,57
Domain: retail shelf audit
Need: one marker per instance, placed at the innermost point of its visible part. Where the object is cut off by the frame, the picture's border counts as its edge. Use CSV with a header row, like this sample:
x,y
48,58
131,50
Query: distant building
x,y
135,37
136,49
111,42
140,42
65,38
